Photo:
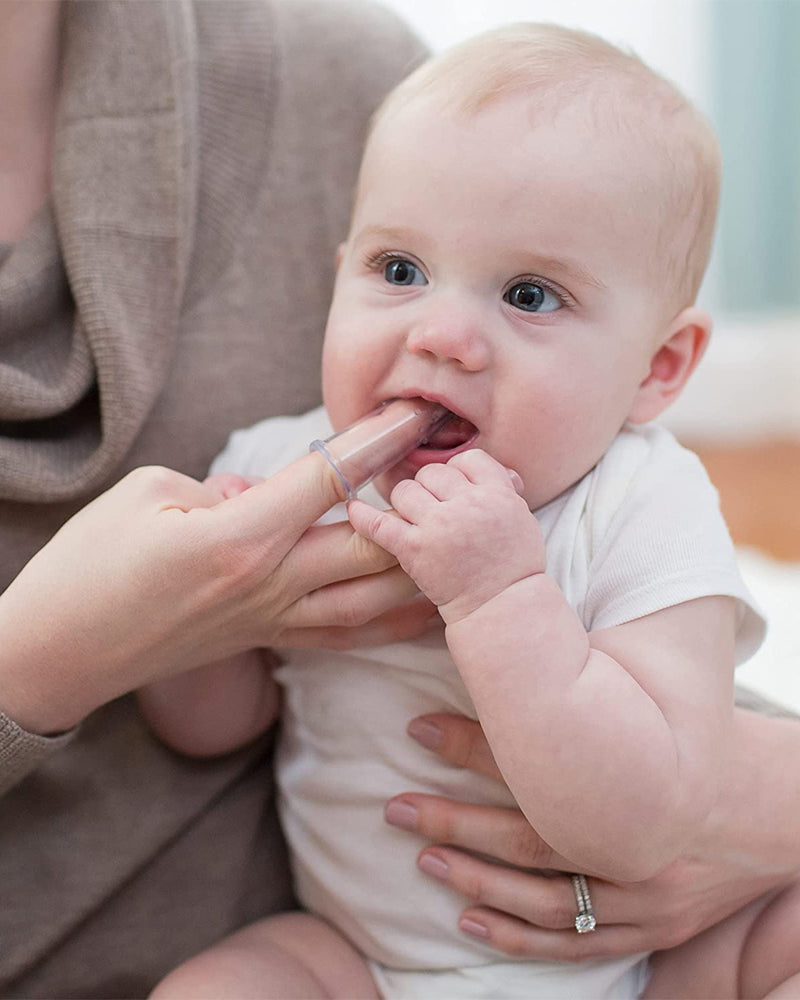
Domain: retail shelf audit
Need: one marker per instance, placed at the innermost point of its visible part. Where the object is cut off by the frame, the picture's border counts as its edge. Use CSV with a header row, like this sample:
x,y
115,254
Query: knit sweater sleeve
x,y
21,752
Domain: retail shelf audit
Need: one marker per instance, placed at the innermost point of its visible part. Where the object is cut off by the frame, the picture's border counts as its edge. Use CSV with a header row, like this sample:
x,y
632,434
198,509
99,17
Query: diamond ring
x,y
585,920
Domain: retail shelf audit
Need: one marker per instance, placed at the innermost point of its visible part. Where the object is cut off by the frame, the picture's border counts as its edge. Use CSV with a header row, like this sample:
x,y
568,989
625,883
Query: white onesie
x,y
642,531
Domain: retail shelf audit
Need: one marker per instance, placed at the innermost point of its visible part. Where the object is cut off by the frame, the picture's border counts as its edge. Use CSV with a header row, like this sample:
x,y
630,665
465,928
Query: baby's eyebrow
x,y
571,271
397,235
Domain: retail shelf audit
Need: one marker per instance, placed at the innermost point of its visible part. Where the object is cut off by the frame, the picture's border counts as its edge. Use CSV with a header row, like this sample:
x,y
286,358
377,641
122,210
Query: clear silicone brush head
x,y
380,440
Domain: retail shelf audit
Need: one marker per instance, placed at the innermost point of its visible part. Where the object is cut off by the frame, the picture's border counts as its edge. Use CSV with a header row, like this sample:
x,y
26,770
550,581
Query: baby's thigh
x,y
292,956
748,955
771,954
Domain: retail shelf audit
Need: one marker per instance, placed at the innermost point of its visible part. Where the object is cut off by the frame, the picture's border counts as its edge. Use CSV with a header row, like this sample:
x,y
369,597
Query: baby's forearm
x,y
214,709
587,753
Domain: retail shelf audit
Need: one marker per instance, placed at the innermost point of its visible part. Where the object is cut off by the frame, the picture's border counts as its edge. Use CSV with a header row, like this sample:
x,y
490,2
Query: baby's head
x,y
533,219
665,154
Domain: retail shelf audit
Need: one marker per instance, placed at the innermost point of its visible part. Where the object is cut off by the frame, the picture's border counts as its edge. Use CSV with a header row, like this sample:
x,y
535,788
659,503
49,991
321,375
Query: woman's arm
x,y
748,845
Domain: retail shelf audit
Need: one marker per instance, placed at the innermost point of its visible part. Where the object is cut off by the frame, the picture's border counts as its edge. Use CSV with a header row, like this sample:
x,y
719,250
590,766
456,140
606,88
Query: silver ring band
x,y
585,920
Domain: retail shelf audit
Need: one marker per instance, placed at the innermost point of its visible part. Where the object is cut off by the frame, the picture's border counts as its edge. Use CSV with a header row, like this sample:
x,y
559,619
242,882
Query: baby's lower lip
x,y
428,456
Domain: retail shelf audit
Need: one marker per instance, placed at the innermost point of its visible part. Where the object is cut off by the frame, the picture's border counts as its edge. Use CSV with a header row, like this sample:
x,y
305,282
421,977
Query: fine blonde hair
x,y
555,66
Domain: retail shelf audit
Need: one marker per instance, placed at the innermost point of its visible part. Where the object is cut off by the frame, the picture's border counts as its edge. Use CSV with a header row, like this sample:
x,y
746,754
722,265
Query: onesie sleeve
x,y
657,538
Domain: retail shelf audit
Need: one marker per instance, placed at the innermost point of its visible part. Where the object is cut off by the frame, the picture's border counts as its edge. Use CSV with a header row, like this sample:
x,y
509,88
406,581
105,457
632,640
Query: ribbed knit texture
x,y
19,750
114,260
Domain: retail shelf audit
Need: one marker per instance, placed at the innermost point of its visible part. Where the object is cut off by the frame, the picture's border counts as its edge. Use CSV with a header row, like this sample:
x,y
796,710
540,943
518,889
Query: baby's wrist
x,y
488,600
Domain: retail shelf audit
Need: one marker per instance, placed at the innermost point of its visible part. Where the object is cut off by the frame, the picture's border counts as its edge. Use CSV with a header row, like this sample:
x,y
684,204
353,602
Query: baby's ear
x,y
339,254
673,362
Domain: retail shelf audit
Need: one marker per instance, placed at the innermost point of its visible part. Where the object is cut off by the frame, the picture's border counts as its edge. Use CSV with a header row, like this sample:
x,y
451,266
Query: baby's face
x,y
497,268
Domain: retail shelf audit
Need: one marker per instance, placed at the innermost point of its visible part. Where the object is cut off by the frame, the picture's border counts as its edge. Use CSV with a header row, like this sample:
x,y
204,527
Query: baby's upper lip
x,y
434,397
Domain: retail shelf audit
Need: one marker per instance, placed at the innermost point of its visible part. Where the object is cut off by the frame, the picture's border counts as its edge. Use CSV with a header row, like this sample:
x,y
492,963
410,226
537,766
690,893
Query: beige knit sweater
x,y
174,288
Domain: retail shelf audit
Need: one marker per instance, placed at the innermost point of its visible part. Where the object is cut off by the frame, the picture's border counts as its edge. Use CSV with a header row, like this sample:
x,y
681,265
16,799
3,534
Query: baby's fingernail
x,y
469,926
516,480
431,864
402,814
425,732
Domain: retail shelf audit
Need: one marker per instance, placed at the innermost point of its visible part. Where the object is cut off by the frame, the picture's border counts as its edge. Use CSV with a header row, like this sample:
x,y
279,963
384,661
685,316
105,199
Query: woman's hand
x,y
162,573
734,858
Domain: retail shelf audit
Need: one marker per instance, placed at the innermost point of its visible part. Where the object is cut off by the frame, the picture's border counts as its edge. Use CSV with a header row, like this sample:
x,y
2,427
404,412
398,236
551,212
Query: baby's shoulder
x,y
646,464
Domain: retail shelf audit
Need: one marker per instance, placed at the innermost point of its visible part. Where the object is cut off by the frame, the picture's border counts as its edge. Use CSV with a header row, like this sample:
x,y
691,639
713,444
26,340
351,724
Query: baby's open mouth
x,y
455,433
420,430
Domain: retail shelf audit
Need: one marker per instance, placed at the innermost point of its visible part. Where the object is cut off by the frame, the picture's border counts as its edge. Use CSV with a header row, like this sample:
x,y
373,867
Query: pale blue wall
x,y
755,103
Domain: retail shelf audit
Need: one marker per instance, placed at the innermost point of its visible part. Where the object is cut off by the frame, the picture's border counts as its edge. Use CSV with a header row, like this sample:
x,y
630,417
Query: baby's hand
x,y
230,484
459,530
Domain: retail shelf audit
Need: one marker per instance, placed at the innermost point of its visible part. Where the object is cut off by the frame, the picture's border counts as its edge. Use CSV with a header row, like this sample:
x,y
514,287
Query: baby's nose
x,y
450,337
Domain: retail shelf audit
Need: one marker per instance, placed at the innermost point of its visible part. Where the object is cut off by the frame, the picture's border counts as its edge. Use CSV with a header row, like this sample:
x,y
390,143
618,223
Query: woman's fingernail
x,y
469,926
425,732
402,814
431,864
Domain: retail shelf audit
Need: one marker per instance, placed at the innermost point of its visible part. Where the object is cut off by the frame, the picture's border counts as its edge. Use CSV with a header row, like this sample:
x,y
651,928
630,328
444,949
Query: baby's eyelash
x,y
378,261
564,297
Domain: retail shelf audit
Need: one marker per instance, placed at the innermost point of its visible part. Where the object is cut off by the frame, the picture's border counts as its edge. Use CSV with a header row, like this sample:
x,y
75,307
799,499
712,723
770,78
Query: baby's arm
x,y
216,708
610,741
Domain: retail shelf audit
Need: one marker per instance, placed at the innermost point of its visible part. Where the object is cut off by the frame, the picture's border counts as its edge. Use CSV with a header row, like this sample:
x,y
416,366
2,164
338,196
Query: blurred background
x,y
737,60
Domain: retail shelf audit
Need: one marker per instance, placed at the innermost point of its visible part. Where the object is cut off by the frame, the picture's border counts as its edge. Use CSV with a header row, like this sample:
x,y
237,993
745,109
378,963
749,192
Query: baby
x,y
532,222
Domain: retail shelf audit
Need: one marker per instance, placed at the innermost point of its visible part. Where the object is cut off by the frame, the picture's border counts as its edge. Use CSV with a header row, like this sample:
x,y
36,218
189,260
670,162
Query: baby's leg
x,y
293,956
770,963
752,954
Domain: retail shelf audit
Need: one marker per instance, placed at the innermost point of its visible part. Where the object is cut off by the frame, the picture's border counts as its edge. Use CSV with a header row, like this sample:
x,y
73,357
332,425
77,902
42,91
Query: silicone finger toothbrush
x,y
380,440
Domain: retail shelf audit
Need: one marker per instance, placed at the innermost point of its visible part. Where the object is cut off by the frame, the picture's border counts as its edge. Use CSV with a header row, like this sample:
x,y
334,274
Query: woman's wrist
x,y
46,687
36,708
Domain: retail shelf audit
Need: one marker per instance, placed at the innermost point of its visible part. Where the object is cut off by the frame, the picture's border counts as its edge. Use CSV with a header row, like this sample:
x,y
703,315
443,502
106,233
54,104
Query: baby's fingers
x,y
229,484
480,467
384,527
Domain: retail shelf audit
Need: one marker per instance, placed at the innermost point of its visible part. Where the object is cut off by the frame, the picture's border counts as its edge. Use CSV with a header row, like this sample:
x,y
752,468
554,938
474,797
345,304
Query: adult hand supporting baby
x,y
162,573
733,859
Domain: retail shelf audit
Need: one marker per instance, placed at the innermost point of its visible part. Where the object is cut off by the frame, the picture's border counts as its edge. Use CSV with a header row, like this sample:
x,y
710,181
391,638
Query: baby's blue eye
x,y
530,297
403,272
